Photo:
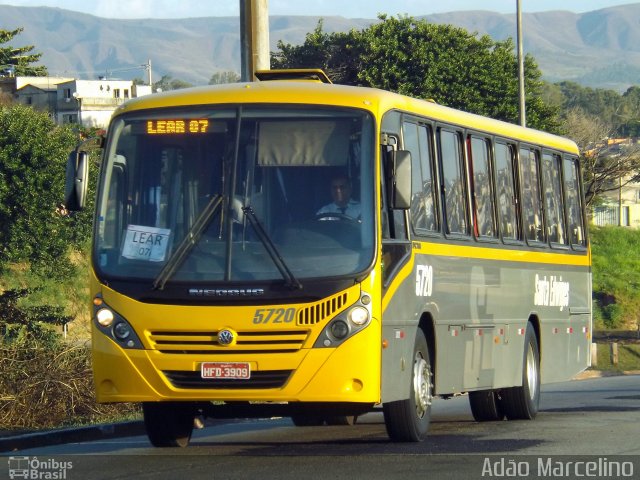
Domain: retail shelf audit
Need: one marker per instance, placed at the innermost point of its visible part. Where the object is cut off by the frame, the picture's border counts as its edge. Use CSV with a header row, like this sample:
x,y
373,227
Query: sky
x,y
123,9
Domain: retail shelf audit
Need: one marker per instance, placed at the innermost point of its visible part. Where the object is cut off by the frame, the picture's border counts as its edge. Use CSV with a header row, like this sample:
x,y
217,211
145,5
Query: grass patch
x,y
628,357
49,384
616,277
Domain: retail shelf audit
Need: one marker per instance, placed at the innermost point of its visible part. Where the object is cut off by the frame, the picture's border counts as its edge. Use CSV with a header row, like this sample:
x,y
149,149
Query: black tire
x,y
341,420
408,420
307,420
168,424
485,406
521,403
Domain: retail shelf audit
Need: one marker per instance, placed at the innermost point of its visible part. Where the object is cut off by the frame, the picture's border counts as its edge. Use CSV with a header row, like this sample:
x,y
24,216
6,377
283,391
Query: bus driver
x,y
342,201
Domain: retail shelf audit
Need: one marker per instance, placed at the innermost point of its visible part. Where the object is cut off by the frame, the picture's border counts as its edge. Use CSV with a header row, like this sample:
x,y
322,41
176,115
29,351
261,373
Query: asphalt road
x,y
594,422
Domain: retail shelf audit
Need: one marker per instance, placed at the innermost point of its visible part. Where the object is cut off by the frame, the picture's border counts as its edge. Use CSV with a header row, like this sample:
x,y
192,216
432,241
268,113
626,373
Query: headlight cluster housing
x,y
346,324
113,325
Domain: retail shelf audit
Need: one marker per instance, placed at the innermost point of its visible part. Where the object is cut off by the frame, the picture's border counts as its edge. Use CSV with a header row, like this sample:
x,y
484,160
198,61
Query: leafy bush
x,y
616,277
33,155
17,324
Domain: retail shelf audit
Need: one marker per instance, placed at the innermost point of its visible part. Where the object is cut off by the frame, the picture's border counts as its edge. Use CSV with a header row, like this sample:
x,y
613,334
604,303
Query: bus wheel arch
x,y
408,420
427,326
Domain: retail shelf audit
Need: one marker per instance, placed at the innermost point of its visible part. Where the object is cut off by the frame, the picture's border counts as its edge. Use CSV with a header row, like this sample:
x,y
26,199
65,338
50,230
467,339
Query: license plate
x,y
226,370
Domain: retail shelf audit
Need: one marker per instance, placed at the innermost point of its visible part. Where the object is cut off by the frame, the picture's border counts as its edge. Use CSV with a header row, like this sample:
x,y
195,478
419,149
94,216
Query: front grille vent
x,y
318,312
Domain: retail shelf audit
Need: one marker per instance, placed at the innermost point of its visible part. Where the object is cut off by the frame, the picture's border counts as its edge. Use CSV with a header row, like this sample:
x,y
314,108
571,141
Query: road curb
x,y
587,374
70,435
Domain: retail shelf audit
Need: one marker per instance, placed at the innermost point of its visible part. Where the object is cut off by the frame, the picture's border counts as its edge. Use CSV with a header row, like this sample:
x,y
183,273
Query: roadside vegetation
x,y
628,357
45,366
45,371
616,278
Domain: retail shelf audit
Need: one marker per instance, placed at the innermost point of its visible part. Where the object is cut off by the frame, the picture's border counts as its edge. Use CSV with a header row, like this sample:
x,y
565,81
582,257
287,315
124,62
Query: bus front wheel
x,y
408,420
168,424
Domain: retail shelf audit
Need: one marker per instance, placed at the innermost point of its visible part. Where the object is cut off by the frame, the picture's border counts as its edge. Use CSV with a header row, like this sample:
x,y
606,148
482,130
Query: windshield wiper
x,y
290,280
188,242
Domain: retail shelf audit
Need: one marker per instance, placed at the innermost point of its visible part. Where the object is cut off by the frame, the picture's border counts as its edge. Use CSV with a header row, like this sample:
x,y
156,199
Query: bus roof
x,y
314,93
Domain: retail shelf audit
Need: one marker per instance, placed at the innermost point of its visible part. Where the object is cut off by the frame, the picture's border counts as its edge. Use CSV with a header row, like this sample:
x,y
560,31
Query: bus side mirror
x,y
401,179
77,181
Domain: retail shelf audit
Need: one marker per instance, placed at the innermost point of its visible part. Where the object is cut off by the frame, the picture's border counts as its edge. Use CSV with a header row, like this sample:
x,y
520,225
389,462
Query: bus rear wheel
x,y
168,424
485,406
317,420
521,403
303,420
341,419
408,420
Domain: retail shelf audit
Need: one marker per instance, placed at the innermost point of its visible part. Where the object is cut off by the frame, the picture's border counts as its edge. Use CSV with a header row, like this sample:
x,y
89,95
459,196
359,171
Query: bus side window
x,y
573,201
395,246
481,187
416,139
506,186
553,198
453,184
531,198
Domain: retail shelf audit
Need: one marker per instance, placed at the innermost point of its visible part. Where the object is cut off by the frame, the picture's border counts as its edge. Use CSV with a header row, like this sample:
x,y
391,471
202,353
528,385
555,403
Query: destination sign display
x,y
177,127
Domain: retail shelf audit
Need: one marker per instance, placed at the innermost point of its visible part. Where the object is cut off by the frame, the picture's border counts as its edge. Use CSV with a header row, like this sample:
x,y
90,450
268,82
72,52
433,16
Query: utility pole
x,y
148,67
523,114
254,38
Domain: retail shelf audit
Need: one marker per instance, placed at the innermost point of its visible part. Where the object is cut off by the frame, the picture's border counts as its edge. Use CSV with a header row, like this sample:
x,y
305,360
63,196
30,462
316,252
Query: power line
x,y
102,73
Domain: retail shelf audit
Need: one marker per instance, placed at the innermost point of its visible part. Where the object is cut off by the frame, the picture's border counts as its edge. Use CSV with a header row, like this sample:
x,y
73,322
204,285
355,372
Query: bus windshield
x,y
237,194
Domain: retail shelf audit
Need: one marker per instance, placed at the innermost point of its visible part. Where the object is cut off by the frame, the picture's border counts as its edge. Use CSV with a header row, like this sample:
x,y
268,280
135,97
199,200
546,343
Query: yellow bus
x,y
291,247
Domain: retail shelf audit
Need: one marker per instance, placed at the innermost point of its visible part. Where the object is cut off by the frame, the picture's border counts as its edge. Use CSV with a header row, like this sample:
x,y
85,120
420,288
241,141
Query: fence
x,y
605,215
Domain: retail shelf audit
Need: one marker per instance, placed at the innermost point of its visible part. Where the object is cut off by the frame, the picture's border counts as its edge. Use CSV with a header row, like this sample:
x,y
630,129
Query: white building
x,y
38,92
88,102
91,102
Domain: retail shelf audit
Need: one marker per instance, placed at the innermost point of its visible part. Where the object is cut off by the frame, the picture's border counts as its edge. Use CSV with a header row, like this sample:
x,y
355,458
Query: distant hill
x,y
598,49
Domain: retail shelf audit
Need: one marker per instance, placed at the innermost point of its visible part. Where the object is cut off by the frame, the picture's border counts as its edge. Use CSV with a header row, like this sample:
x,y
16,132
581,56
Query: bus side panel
x,y
400,316
565,342
477,323
480,308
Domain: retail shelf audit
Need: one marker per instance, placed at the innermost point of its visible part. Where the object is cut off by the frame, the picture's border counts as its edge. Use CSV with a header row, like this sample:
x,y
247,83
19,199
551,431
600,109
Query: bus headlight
x,y
105,317
115,326
359,315
339,329
122,331
345,324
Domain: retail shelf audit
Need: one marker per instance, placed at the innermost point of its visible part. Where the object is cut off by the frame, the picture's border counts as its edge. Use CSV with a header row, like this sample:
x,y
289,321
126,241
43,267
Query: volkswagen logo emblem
x,y
225,337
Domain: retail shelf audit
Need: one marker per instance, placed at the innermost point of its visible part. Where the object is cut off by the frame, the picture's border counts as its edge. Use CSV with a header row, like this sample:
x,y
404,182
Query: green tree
x,y
336,53
35,230
224,77
424,60
622,112
167,83
19,59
